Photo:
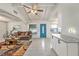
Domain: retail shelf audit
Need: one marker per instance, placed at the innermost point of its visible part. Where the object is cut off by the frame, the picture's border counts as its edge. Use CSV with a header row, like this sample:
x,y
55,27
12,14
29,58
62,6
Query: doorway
x,y
42,30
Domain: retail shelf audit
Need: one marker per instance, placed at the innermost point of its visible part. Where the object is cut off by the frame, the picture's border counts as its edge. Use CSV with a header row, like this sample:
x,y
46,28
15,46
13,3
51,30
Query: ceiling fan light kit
x,y
33,9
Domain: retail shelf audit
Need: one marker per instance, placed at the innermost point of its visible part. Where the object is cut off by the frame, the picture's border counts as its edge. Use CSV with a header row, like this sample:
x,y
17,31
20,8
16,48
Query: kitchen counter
x,y
65,38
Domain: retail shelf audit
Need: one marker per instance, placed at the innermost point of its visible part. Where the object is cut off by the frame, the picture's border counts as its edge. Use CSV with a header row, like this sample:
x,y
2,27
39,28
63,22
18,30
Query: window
x,y
55,29
33,28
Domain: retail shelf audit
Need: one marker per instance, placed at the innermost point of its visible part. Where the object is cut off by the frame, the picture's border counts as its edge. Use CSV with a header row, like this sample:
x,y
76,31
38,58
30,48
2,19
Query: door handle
x,y
59,41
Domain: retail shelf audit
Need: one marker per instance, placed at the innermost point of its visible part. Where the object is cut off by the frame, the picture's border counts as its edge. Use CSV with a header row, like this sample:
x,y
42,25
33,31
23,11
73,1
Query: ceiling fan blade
x,y
29,12
26,6
40,10
36,13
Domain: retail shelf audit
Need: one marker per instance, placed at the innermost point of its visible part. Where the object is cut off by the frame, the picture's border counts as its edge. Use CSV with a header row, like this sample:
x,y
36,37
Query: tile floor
x,y
40,47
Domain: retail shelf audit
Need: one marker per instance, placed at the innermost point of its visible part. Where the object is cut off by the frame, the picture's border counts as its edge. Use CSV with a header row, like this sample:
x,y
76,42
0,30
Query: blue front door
x,y
42,30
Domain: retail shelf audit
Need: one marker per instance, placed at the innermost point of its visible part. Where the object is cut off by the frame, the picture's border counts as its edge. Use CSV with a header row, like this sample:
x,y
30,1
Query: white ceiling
x,y
21,14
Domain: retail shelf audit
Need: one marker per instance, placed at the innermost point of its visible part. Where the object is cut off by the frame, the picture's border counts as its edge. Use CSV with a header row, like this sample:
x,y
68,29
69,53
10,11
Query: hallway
x,y
48,29
40,47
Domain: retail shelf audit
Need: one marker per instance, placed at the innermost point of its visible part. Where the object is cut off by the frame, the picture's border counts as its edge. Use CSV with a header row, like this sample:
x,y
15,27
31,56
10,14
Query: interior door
x,y
42,30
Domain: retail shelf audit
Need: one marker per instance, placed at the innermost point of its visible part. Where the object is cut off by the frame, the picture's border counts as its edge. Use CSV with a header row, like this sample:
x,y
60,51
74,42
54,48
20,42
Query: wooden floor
x,y
20,51
15,50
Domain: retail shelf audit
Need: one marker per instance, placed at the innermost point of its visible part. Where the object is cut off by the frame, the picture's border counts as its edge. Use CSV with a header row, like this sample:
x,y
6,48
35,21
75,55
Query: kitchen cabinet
x,y
73,49
59,46
54,43
63,48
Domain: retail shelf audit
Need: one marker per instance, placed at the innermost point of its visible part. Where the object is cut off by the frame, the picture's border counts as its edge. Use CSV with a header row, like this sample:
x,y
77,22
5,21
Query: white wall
x,y
70,19
56,18
3,29
14,23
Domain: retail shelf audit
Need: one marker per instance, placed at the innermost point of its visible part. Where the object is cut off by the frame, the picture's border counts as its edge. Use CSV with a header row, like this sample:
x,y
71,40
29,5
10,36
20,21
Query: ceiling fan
x,y
33,9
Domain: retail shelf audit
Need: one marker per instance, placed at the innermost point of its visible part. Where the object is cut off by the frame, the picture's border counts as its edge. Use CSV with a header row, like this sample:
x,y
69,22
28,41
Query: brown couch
x,y
24,35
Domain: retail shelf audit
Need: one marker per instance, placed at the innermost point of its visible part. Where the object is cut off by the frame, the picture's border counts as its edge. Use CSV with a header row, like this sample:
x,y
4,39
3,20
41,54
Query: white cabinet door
x,y
61,48
64,49
73,49
54,43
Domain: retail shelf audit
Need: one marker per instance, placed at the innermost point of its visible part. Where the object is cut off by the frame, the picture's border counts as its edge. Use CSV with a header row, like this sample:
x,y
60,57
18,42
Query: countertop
x,y
65,38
